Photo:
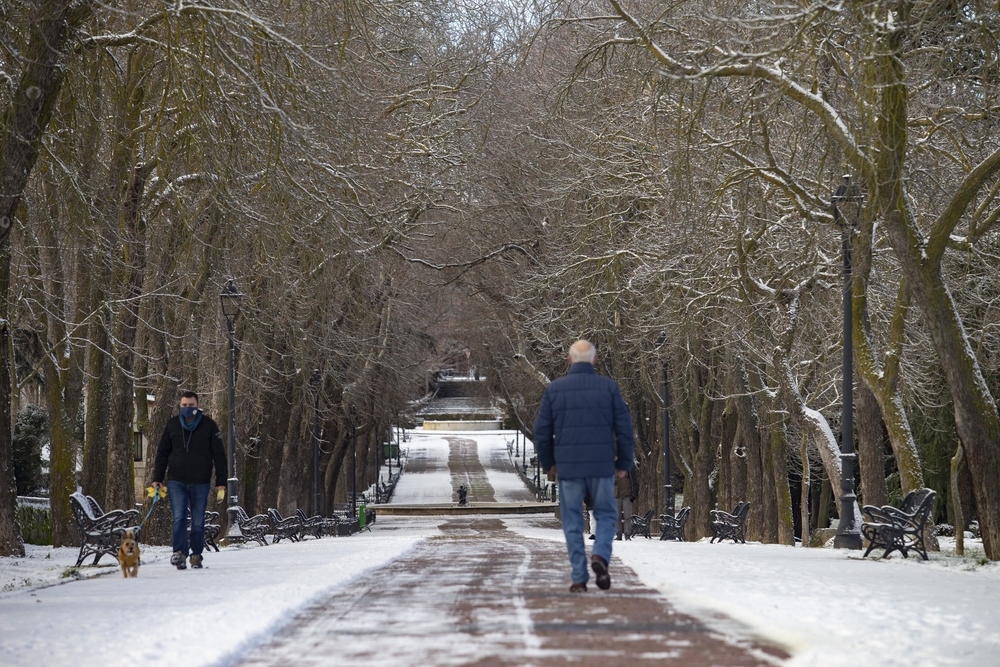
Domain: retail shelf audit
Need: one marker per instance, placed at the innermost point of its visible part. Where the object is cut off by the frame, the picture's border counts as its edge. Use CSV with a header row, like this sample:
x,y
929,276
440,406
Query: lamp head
x,y
230,301
848,202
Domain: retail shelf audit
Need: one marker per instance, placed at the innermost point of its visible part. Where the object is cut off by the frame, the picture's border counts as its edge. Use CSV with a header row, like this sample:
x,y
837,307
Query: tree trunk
x,y
813,421
11,542
976,418
273,436
870,447
62,460
94,475
31,108
805,498
291,471
700,498
725,455
26,121
62,369
785,528
121,471
749,429
957,519
338,440
769,497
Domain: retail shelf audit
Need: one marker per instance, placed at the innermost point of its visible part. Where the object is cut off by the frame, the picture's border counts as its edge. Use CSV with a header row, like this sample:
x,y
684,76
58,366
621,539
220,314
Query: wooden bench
x,y
100,532
253,527
899,528
726,526
284,528
672,527
640,525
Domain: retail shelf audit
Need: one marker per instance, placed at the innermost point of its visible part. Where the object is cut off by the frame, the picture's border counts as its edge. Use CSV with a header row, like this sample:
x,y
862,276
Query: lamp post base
x,y
233,535
848,531
848,541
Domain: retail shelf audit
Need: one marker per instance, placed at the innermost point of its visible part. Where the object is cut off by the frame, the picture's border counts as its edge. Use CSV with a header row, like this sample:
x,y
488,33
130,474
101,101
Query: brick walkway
x,y
482,595
465,467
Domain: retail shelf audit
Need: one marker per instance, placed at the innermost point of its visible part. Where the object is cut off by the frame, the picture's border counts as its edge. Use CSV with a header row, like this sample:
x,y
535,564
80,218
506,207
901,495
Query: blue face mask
x,y
189,413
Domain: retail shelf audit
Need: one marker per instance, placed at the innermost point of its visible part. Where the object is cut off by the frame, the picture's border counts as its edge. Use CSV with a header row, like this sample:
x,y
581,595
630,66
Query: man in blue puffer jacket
x,y
583,433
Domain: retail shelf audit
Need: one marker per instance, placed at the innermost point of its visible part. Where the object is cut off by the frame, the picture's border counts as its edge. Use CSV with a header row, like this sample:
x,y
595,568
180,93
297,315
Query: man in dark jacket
x,y
583,433
190,445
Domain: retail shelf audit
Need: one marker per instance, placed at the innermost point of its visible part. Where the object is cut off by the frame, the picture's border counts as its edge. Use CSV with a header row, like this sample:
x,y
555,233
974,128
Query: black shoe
x,y
196,561
618,538
600,568
591,537
578,588
177,559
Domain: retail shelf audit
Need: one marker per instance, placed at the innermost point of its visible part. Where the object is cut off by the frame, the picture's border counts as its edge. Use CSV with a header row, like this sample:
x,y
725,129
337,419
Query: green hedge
x,y
36,524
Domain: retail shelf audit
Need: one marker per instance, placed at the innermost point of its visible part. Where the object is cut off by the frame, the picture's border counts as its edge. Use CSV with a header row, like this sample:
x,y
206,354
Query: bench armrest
x,y
875,514
902,518
256,521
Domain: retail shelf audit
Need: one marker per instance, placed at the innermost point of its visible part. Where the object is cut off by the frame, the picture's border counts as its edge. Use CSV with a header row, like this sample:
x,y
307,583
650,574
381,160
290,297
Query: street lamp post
x,y
317,378
230,298
354,461
524,451
378,465
851,198
391,429
668,487
538,477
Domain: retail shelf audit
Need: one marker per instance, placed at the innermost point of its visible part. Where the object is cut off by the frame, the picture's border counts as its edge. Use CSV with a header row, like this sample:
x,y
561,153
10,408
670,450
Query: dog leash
x,y
155,494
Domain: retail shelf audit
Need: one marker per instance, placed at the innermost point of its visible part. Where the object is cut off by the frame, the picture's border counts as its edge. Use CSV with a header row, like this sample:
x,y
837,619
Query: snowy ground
x,y
207,617
827,607
507,486
48,566
426,479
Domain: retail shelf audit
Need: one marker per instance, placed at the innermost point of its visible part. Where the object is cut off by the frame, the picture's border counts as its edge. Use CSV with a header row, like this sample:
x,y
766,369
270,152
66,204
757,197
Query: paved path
x,y
482,595
466,468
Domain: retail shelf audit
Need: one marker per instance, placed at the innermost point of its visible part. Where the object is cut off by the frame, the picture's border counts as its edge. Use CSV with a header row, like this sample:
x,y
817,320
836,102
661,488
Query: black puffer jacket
x,y
193,464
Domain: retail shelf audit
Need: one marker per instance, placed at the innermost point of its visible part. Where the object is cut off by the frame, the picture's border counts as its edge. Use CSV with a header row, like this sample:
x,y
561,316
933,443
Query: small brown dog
x,y
128,555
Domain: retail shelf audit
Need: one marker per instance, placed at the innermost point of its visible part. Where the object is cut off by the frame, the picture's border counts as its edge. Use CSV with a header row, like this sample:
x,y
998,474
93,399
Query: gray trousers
x,y
624,515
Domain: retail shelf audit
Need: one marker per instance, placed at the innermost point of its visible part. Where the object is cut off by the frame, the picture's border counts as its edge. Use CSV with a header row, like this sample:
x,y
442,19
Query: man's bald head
x,y
582,351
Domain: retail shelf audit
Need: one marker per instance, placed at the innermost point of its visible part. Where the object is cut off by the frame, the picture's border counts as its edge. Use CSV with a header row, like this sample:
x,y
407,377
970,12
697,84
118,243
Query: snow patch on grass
x,y
192,617
828,607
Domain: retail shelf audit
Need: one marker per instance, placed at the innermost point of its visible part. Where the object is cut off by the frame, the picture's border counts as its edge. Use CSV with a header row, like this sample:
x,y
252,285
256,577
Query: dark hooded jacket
x,y
582,425
191,463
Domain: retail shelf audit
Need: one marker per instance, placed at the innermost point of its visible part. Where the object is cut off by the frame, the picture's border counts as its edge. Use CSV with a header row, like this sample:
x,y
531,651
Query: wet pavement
x,y
482,595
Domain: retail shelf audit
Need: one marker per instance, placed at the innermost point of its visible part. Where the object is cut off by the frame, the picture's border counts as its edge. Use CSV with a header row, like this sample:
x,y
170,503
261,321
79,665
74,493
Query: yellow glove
x,y
152,491
220,496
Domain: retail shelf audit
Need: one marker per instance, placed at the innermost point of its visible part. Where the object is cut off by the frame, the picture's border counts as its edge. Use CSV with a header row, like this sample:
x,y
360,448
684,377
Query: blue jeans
x,y
182,495
571,495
